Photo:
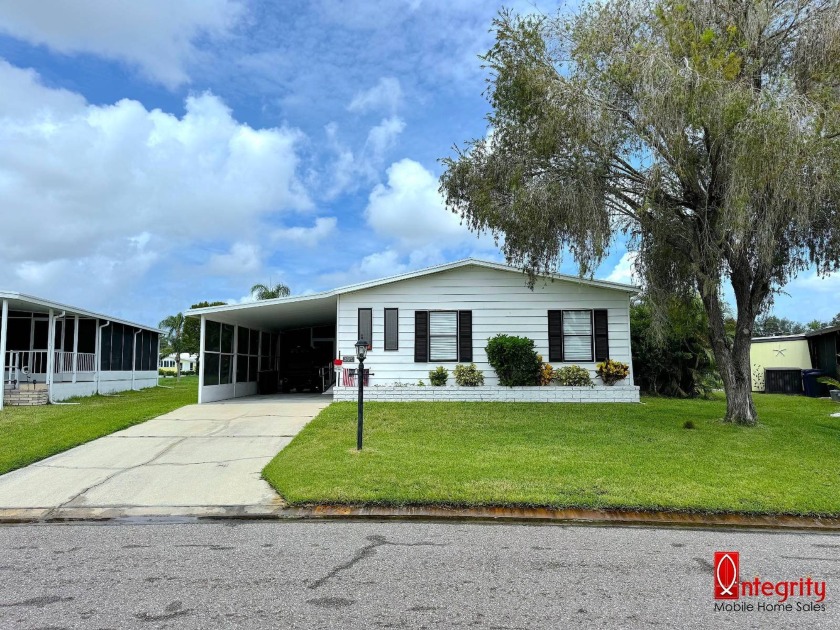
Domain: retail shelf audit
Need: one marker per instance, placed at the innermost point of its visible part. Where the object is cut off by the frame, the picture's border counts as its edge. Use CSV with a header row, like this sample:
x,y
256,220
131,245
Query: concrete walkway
x,y
197,460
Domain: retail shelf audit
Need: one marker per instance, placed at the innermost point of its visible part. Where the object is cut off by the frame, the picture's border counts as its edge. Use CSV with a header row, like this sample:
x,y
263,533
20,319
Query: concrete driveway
x,y
200,459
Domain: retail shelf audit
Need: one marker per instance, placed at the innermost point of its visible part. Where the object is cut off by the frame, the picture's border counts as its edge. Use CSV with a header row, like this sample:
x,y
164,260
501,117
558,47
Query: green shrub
x,y
468,375
514,360
573,376
439,376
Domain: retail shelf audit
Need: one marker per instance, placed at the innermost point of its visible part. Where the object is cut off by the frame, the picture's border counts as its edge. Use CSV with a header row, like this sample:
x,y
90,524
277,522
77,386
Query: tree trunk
x,y
178,369
732,356
740,408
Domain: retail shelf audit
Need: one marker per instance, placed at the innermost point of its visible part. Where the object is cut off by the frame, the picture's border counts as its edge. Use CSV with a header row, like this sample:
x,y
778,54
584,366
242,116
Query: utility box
x,y
783,381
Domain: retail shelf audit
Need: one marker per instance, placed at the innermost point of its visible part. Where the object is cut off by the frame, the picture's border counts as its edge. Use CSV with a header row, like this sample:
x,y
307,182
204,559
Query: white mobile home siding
x,y
500,303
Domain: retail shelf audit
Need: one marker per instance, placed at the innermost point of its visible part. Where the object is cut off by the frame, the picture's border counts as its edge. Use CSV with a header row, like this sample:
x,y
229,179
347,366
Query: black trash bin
x,y
810,384
267,381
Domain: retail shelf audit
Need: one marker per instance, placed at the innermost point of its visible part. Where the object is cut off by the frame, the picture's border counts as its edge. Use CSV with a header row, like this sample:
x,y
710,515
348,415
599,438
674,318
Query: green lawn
x,y
555,455
28,434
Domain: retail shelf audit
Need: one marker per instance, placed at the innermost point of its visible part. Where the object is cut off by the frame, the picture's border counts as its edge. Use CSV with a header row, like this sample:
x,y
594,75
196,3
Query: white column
x,y
201,358
75,346
4,323
97,353
134,357
50,351
235,355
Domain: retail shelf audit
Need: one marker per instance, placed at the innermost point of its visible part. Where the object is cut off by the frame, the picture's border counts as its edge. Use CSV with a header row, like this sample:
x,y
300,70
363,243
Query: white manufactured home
x,y
413,322
50,352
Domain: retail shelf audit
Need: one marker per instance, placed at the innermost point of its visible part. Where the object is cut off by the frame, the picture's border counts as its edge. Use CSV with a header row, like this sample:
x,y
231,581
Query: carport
x,y
279,345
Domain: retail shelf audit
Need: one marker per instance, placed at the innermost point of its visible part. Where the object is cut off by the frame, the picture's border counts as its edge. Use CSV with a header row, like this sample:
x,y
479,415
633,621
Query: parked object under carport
x,y
267,382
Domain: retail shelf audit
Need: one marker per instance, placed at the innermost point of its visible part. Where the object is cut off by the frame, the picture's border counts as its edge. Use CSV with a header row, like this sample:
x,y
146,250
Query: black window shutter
x,y
421,336
366,325
602,336
555,336
465,345
392,329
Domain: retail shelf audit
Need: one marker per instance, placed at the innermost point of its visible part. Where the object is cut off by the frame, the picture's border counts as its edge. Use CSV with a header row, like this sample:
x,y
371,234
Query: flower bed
x,y
490,393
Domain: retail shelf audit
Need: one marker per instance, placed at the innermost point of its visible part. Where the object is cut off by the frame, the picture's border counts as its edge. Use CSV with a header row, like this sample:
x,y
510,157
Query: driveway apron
x,y
199,456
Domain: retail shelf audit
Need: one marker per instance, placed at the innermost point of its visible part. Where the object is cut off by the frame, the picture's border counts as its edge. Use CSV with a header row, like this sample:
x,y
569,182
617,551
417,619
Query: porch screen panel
x,y
128,347
70,333
443,336
577,335
87,335
242,354
151,364
116,346
243,357
226,356
105,349
139,352
18,333
212,346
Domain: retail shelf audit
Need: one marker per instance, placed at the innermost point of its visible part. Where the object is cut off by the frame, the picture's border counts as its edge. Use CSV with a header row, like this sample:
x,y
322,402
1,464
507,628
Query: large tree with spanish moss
x,y
707,131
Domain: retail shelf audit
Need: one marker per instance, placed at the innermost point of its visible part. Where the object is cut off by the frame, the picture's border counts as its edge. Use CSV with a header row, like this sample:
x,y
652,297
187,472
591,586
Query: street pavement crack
x,y
109,477
368,551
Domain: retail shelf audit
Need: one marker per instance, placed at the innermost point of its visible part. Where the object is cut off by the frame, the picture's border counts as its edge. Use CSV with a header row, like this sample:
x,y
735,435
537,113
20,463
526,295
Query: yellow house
x,y
790,351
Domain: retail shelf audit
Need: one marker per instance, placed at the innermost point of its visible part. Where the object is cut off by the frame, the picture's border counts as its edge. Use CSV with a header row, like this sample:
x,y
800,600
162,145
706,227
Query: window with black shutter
x,y
577,336
366,326
602,337
465,348
555,336
392,329
421,336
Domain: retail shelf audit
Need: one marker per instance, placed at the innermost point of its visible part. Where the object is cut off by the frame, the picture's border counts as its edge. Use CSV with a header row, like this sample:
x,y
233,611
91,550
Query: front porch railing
x,y
25,365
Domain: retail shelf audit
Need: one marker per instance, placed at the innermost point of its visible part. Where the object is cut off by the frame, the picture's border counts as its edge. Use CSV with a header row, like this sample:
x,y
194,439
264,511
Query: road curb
x,y
277,512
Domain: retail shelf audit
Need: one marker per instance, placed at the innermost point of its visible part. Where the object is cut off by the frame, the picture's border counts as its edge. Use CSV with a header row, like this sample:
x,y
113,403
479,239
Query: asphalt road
x,y
394,575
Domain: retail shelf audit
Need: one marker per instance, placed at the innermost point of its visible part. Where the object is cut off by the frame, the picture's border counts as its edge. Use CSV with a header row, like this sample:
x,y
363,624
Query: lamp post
x,y
361,353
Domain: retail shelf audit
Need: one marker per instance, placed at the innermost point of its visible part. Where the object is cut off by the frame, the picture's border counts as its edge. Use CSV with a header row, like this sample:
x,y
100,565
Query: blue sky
x,y
156,154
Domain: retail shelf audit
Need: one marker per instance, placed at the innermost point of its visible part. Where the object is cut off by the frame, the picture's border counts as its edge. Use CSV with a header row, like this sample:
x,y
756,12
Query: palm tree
x,y
173,326
268,292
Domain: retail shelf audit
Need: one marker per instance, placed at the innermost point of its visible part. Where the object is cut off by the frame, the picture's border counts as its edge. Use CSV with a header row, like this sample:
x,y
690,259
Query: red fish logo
x,y
726,574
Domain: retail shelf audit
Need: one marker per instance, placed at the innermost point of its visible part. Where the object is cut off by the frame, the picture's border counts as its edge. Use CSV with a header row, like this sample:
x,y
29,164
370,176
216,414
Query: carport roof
x,y
23,302
320,308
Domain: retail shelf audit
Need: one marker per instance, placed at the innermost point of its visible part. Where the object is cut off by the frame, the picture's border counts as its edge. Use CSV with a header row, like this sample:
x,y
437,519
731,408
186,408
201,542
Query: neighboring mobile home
x,y
188,361
51,352
413,322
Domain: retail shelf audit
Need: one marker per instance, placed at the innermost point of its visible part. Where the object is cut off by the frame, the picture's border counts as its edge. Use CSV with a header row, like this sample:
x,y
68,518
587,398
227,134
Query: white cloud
x,y
349,170
243,258
382,137
155,35
625,270
386,96
409,209
93,192
307,236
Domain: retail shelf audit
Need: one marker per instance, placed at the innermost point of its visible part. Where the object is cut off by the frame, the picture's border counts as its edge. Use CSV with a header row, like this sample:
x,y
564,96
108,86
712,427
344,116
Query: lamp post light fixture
x,y
361,353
